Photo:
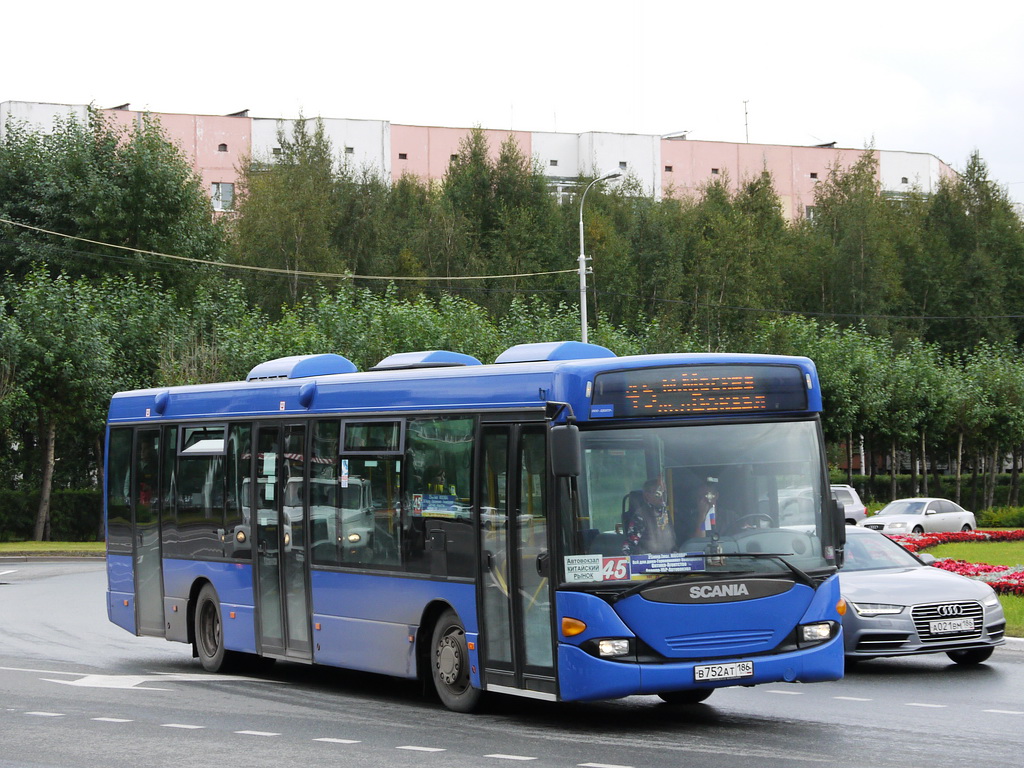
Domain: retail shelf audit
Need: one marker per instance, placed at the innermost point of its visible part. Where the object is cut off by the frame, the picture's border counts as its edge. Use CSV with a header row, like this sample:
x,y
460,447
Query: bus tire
x,y
449,665
692,696
209,632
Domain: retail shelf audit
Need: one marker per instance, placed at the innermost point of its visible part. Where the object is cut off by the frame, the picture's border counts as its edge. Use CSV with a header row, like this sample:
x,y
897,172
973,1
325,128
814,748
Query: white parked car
x,y
923,515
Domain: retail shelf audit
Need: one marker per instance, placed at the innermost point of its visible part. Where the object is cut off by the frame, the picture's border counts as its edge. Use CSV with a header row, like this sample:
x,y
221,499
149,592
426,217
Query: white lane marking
x,y
257,733
929,706
602,765
510,757
1003,711
112,720
109,681
850,698
183,725
4,573
338,741
423,749
788,693
45,714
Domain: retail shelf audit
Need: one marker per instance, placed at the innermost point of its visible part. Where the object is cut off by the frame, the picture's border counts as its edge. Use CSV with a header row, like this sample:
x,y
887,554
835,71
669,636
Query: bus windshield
x,y
650,495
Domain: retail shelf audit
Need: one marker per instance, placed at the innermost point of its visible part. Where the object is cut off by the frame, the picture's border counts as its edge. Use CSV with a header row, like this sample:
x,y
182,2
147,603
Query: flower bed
x,y
1005,579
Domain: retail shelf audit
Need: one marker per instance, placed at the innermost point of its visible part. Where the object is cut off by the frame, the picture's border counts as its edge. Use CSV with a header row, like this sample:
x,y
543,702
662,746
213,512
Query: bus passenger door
x,y
281,592
517,639
149,593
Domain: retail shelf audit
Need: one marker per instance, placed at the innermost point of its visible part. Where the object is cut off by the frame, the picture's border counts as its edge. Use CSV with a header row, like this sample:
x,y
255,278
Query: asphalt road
x,y
76,691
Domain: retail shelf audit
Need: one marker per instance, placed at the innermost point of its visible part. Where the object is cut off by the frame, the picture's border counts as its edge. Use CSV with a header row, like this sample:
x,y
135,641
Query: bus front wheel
x,y
449,665
209,632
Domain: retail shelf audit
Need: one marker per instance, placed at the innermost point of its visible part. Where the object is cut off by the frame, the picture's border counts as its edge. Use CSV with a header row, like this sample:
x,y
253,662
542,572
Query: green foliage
x,y
77,514
1001,517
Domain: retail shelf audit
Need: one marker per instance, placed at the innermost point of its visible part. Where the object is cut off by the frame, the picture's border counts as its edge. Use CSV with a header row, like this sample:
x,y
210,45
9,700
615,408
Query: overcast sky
x,y
940,77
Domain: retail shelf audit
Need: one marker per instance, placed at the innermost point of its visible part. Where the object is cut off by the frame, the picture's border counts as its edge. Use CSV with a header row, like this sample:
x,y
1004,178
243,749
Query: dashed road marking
x,y
850,698
787,693
183,726
500,756
112,720
422,749
928,706
45,714
1003,711
602,765
338,741
257,733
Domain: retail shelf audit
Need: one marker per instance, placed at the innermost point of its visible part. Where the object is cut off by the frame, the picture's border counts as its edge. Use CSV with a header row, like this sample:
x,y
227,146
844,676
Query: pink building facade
x,y
663,166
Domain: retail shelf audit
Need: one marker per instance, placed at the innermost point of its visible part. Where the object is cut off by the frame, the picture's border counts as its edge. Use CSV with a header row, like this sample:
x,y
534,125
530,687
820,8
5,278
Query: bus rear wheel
x,y
449,665
209,632
693,696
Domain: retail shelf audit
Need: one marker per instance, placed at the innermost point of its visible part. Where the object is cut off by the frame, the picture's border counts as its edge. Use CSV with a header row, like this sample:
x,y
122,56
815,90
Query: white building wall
x,y
559,148
638,155
920,171
39,116
362,144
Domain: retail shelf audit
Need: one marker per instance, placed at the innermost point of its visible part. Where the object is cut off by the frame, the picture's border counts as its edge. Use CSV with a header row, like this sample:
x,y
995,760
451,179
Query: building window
x,y
809,213
814,175
403,156
714,171
453,158
553,163
904,180
276,150
668,169
223,195
222,147
350,150
622,165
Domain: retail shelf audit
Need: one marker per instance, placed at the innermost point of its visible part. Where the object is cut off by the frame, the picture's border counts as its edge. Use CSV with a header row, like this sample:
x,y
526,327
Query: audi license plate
x,y
733,671
947,626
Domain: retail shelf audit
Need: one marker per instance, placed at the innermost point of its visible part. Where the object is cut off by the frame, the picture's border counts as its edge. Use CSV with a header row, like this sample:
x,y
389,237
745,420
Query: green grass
x,y
992,553
65,548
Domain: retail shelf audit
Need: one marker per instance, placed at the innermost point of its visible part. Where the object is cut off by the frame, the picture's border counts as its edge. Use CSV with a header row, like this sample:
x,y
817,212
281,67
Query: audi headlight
x,y
896,526
992,600
876,609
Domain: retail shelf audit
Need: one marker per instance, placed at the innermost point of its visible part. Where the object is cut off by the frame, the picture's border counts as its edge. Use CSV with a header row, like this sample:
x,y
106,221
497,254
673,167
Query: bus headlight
x,y
240,537
607,648
287,538
354,538
819,632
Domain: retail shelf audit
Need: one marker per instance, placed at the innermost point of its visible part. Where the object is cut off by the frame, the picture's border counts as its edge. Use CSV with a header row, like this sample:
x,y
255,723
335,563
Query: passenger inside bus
x,y
648,524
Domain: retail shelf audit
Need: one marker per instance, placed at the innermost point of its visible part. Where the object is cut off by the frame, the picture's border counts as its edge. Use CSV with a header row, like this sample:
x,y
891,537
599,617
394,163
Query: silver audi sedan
x,y
923,515
898,604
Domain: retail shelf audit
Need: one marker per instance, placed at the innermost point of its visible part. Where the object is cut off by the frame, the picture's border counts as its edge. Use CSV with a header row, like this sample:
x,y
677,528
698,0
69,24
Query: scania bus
x,y
478,526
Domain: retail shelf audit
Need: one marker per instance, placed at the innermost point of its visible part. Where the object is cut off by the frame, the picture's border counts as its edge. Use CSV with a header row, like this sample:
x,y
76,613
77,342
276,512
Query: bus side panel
x,y
121,592
366,621
233,582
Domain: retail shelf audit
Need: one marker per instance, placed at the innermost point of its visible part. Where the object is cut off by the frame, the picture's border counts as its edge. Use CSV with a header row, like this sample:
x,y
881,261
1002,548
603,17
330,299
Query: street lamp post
x,y
583,257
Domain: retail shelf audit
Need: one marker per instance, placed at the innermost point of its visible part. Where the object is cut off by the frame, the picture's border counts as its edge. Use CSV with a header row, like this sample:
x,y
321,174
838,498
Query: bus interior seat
x,y
608,543
630,502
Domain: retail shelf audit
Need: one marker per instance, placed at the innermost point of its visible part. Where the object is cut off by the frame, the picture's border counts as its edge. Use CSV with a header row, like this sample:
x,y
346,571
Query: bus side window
x,y
119,534
437,523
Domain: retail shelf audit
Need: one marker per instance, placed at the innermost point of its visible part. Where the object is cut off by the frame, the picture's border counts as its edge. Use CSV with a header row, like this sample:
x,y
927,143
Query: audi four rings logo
x,y
951,610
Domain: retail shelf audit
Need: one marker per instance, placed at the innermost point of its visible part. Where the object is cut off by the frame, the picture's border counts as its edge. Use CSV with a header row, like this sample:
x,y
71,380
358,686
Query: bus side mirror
x,y
839,525
565,450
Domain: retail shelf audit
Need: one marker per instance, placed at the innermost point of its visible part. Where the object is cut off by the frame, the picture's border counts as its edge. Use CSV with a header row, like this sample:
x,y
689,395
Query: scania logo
x,y
706,591
951,610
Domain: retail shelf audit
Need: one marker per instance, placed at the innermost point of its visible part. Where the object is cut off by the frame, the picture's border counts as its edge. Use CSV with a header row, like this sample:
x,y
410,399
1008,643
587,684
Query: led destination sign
x,y
702,389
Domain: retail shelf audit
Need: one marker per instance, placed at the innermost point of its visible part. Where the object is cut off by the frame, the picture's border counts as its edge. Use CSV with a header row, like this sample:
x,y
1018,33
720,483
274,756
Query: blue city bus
x,y
562,524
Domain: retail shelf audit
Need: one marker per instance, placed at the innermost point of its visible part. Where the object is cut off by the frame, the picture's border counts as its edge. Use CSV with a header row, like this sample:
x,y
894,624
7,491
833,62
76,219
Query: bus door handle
x,y
544,564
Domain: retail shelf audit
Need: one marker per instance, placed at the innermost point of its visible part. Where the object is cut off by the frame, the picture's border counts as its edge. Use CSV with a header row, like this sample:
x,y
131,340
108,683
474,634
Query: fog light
x,y
240,537
613,647
354,538
816,633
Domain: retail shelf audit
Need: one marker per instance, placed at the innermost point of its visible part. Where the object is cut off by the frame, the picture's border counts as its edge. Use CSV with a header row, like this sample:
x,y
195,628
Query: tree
x,y
126,186
287,214
63,363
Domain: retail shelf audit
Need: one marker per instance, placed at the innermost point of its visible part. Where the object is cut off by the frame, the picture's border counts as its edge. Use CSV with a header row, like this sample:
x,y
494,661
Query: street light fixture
x,y
583,257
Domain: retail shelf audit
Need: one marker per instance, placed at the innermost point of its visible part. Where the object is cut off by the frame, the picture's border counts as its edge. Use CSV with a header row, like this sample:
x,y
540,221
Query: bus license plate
x,y
945,626
733,671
